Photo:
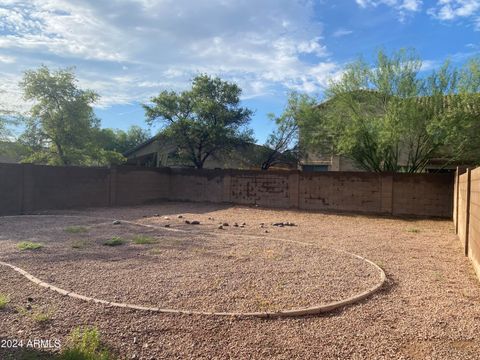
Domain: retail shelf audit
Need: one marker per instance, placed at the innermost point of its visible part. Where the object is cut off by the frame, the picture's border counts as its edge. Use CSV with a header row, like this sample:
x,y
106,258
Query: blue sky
x,y
129,50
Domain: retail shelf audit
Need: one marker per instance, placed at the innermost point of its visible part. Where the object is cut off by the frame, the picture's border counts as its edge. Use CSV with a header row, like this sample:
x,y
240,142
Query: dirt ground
x,y
428,309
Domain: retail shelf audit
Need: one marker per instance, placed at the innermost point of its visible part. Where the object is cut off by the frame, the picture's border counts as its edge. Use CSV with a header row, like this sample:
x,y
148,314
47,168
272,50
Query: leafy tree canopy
x,y
387,117
62,125
282,145
121,141
204,120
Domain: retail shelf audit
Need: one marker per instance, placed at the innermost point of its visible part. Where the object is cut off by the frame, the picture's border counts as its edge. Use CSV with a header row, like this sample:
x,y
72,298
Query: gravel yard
x,y
429,307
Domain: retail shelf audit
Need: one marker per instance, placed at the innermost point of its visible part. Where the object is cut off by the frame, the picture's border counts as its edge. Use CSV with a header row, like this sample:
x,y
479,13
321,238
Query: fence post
x,y
456,198
467,211
113,187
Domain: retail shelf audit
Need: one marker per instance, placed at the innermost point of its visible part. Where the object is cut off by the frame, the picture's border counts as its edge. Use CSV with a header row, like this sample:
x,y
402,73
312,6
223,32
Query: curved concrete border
x,y
313,310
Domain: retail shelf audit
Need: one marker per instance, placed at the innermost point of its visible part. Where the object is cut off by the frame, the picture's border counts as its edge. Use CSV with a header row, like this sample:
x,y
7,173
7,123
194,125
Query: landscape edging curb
x,y
313,310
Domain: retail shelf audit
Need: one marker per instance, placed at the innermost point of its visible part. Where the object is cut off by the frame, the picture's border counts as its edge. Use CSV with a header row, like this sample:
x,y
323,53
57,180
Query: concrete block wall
x,y
342,191
26,188
474,223
265,189
394,194
422,194
47,187
463,209
467,214
11,184
133,186
191,185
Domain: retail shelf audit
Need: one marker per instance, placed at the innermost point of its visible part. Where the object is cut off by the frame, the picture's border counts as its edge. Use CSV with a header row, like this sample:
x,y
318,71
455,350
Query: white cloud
x,y
7,59
342,32
128,50
449,10
404,7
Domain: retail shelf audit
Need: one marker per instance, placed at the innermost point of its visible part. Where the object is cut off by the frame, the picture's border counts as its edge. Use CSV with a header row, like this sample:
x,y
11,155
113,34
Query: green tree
x,y
387,117
203,121
121,141
61,126
282,145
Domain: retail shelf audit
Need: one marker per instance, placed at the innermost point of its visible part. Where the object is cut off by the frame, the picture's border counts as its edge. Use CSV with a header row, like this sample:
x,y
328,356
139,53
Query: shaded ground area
x,y
429,309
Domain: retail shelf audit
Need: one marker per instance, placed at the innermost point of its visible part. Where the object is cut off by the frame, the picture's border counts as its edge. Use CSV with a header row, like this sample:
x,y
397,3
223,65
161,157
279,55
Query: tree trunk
x,y
61,154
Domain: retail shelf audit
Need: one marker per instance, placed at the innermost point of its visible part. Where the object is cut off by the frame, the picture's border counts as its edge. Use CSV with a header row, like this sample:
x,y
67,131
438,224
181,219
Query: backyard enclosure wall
x,y
466,214
28,188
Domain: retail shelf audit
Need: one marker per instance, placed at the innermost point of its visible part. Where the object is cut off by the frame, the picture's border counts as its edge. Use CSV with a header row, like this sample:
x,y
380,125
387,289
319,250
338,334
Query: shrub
x,y
79,244
115,241
28,245
4,300
85,345
76,229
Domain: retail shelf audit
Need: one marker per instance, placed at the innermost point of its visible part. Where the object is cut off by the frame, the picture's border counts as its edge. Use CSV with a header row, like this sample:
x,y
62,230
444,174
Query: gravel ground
x,y
430,308
193,271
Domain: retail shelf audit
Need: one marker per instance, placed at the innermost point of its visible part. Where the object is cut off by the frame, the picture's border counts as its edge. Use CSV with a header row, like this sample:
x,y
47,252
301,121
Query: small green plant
x,y
413,230
76,229
85,344
4,300
115,241
380,264
36,314
28,245
144,240
42,317
79,244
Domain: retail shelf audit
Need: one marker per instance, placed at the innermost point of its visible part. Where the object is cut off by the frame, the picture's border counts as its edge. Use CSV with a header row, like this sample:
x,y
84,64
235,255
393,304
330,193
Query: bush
x,y
115,241
28,245
76,229
4,300
85,345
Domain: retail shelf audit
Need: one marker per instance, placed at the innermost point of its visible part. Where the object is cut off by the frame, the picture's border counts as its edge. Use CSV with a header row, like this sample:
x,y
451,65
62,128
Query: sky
x,y
130,50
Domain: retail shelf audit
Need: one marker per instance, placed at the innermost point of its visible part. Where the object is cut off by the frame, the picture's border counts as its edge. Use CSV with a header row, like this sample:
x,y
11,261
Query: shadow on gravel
x,y
25,353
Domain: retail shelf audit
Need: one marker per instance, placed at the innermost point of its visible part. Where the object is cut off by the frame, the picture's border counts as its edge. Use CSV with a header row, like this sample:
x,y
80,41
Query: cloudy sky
x,y
129,50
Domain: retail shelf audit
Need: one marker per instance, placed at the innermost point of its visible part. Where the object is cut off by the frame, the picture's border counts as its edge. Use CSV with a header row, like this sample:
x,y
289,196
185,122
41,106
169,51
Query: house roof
x,y
142,145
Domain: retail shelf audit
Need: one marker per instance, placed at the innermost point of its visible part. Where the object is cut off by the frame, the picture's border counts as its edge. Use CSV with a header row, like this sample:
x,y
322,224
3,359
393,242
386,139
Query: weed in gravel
x,y
413,230
42,317
36,314
79,244
144,240
85,344
115,241
380,264
438,276
28,245
76,229
4,300
263,304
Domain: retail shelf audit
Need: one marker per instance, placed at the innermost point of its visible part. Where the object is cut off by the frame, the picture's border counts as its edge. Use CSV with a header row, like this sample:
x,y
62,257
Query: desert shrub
x,y
85,344
76,229
4,300
28,245
115,241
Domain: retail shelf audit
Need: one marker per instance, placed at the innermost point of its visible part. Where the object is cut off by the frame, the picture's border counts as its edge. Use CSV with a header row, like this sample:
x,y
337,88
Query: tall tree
x,y
387,117
122,141
282,146
203,121
62,122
